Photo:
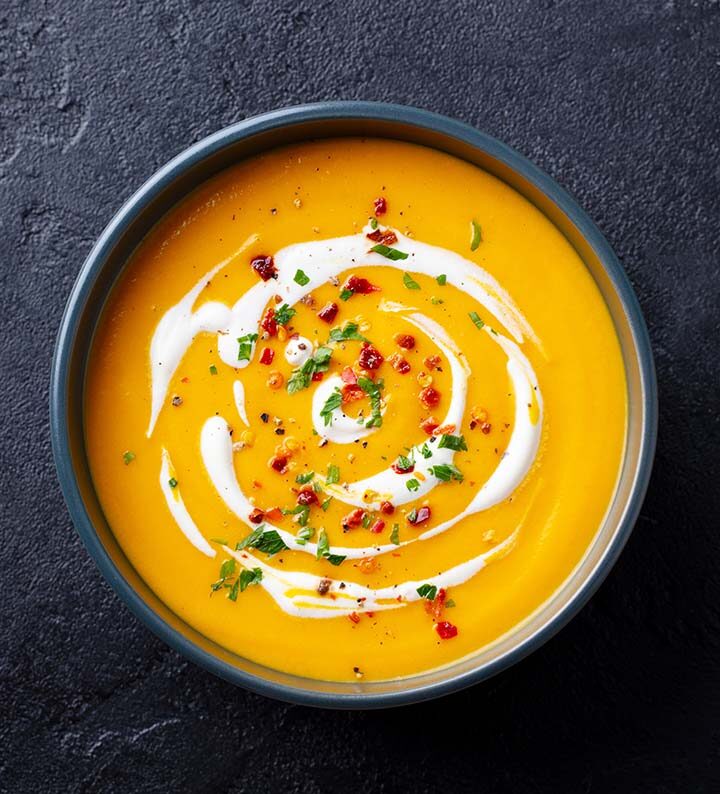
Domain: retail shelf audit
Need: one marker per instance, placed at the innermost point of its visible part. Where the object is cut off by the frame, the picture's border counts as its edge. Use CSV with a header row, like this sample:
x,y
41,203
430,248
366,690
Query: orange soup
x,y
355,409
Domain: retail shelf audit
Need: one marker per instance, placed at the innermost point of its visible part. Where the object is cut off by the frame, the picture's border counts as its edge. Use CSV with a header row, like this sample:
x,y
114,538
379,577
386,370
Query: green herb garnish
x,y
227,571
267,541
412,484
304,478
456,443
333,402
348,332
346,294
475,235
245,346
248,577
128,457
326,504
172,482
302,377
323,550
333,473
425,451
213,369
441,279
388,253
449,604
435,301
284,314
446,472
373,223
304,535
335,559
301,278
373,389
475,317
395,534
410,282
428,591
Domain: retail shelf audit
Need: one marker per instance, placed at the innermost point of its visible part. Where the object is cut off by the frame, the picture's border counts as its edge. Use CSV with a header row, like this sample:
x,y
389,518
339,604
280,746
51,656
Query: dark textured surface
x,y
618,101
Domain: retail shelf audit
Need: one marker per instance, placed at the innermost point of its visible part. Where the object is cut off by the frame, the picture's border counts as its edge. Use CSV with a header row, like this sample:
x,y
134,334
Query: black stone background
x,y
618,101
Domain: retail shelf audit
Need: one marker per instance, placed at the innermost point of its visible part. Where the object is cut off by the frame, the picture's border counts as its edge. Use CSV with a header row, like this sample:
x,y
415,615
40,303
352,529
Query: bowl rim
x,y
352,111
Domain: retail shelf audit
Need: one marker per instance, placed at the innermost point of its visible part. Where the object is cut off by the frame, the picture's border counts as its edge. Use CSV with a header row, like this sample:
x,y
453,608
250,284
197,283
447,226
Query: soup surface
x,y
355,409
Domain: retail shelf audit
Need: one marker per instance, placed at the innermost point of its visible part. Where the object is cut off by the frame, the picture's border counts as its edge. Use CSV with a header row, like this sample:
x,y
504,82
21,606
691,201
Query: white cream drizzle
x,y
296,592
239,395
177,507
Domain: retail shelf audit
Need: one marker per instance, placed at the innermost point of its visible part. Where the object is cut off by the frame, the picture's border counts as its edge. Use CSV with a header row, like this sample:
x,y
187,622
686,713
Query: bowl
x,y
250,137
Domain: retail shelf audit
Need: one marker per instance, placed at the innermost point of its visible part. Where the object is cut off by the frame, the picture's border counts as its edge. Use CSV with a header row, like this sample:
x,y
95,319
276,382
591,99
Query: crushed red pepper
x,y
264,266
353,519
267,356
328,312
446,630
419,516
359,286
380,206
370,357
387,237
429,397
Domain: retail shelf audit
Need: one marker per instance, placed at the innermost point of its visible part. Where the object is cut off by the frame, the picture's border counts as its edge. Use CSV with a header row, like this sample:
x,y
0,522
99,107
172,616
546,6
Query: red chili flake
x,y
277,298
405,341
429,425
446,630
370,357
433,362
279,463
317,376
429,397
486,427
352,392
269,323
307,497
387,237
353,519
447,430
387,507
359,286
419,516
267,356
399,364
273,514
264,266
348,376
380,205
354,617
398,468
328,312
377,526
256,516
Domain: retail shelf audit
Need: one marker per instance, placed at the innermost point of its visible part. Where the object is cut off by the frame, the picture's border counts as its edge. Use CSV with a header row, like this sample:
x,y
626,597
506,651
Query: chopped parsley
x,y
267,541
475,235
404,463
395,534
449,604
302,377
284,314
227,571
425,451
304,535
128,457
301,278
323,550
333,402
245,344
456,443
248,577
304,478
373,223
373,390
348,332
333,473
475,317
410,282
326,504
435,301
367,519
428,591
446,472
388,253
441,279
172,482
346,294
412,484
213,369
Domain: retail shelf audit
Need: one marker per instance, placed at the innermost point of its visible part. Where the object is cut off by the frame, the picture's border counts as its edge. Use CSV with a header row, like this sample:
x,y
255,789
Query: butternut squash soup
x,y
355,409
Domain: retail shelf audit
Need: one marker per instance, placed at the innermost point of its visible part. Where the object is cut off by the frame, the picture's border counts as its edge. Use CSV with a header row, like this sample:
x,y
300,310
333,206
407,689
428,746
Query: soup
x,y
355,409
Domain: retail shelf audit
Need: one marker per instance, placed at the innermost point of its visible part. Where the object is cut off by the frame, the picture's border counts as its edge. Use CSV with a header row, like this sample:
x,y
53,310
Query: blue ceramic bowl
x,y
190,169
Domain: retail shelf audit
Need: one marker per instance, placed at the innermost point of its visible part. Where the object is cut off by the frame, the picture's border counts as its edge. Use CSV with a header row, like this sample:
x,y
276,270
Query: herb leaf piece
x,y
410,282
475,317
475,235
301,278
446,472
245,346
456,443
428,591
348,332
388,253
284,314
441,279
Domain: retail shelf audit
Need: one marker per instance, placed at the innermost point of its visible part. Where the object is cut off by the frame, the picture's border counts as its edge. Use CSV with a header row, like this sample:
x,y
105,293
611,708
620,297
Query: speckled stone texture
x,y
619,101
